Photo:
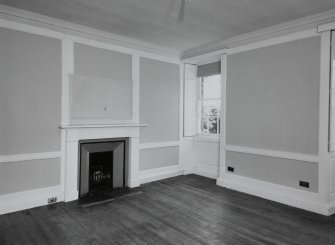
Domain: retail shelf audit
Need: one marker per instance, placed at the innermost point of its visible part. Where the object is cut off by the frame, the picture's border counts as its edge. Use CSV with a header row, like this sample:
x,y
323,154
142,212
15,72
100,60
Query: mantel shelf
x,y
76,126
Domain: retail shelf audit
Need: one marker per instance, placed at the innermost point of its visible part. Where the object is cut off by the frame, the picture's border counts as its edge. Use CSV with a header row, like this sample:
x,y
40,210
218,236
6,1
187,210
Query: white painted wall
x,y
274,155
48,155
333,175
272,103
311,201
160,110
316,169
207,157
30,111
187,158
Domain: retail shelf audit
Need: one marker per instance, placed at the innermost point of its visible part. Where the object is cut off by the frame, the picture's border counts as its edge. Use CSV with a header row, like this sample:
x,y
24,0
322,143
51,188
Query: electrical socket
x,y
304,184
230,169
52,200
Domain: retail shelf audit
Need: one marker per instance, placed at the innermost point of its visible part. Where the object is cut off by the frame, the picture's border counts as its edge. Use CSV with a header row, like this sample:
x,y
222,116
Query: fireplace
x,y
73,136
102,167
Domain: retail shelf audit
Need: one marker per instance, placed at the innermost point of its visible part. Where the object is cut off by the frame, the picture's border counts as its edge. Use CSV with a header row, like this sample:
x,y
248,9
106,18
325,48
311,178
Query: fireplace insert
x,y
103,167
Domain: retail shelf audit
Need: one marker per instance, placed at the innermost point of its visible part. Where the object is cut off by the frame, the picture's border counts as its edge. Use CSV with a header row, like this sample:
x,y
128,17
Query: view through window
x,y
209,104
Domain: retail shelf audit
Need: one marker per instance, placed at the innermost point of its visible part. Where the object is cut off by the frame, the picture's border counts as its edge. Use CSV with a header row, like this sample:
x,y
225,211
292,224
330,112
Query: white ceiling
x,y
156,21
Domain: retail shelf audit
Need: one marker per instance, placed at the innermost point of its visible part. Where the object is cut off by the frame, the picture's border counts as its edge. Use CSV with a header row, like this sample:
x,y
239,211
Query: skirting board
x,y
293,197
209,173
29,199
202,172
331,208
151,175
190,170
71,196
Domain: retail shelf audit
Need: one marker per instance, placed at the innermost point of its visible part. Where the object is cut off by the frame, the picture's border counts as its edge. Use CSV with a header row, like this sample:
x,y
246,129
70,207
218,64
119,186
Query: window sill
x,y
208,138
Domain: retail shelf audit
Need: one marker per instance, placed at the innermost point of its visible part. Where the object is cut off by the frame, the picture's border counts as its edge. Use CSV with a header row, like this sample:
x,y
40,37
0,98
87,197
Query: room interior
x,y
231,103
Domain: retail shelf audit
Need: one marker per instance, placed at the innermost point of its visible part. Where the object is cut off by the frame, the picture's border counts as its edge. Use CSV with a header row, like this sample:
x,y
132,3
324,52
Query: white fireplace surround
x,y
74,133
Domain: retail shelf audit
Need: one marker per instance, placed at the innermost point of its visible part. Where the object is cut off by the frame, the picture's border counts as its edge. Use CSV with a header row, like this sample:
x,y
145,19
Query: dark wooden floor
x,y
182,210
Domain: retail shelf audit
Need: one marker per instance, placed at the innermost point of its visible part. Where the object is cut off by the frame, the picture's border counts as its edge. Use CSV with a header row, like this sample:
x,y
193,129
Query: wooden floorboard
x,y
182,210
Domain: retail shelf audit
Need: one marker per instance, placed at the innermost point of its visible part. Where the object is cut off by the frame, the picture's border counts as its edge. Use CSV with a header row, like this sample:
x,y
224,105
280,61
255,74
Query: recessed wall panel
x,y
97,62
208,152
273,97
101,99
274,170
158,157
102,86
30,93
28,175
159,100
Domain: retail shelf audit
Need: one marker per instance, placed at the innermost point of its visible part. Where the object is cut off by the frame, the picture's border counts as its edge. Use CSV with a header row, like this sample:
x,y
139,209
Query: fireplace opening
x,y
100,171
103,167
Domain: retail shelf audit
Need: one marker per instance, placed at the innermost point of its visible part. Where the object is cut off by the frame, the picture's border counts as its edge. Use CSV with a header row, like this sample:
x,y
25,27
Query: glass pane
x,y
204,127
210,87
213,125
202,87
210,107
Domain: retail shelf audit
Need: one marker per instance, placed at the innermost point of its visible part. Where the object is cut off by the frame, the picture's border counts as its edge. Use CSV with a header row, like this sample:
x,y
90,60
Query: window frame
x,y
199,116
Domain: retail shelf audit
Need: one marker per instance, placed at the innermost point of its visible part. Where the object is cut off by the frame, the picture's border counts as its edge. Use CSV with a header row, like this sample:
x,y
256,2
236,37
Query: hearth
x,y
102,167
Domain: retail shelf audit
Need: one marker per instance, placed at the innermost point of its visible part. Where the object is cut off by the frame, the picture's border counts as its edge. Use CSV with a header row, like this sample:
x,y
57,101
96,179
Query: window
x,y
209,104
332,97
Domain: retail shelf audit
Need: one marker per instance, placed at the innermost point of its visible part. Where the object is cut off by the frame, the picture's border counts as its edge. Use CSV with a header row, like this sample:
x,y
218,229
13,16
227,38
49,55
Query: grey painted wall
x,y
102,86
275,170
159,101
28,175
98,98
30,93
158,157
273,97
96,62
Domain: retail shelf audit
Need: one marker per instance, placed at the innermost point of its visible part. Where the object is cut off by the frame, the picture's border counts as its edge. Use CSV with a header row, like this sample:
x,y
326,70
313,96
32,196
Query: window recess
x,y
209,99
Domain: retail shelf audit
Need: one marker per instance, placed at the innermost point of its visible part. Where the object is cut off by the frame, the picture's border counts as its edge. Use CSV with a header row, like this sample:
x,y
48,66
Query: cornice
x,y
217,47
298,25
69,28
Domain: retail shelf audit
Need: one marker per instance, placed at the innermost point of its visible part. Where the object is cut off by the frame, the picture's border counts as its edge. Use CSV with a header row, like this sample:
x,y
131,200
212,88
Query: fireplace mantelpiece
x,y
72,134
73,126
